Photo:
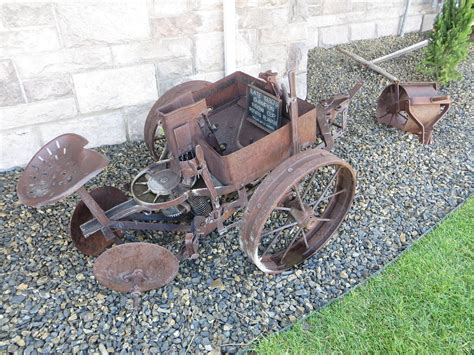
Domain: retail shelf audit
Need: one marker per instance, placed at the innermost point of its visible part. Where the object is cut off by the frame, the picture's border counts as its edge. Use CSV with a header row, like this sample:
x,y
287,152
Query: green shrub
x,y
449,41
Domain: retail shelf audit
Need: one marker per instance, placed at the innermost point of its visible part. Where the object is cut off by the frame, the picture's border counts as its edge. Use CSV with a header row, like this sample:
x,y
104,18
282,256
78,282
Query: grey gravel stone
x,y
18,299
404,188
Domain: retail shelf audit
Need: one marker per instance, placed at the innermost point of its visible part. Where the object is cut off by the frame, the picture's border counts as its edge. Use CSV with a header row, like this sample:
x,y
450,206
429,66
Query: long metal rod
x,y
287,209
400,52
371,65
120,211
294,112
136,225
404,18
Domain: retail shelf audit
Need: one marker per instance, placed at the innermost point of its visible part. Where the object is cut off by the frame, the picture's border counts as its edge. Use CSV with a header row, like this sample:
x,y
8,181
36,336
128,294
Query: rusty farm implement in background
x,y
241,152
413,107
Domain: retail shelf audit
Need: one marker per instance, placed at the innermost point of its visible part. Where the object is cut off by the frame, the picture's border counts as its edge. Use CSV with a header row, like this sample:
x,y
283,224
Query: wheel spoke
x,y
141,183
286,226
144,193
323,198
304,238
298,196
309,184
164,153
300,231
291,244
279,233
326,189
267,249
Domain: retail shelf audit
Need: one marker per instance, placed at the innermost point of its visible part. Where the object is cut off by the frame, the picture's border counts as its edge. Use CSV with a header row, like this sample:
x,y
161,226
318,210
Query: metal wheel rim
x,y
316,238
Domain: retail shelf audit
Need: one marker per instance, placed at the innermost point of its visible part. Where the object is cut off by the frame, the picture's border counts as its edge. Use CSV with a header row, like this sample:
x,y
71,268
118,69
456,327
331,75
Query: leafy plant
x,y
449,41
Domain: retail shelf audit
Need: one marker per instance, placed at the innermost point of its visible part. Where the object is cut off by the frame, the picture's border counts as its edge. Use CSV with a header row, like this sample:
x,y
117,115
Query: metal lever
x,y
98,213
219,147
294,112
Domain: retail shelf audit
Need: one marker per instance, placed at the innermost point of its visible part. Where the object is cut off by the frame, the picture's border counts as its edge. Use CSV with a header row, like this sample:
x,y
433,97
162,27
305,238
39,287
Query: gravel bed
x,y
50,301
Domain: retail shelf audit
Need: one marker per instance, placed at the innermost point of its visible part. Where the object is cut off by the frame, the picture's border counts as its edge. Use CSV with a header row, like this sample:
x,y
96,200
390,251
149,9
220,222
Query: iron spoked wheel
x,y
296,209
107,197
387,112
156,142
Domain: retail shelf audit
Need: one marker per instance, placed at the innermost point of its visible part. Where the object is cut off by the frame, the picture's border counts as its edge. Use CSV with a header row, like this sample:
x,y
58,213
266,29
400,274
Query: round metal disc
x,y
107,197
135,267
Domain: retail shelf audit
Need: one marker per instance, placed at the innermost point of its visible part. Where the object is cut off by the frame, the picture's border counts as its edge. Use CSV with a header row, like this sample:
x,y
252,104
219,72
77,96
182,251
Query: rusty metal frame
x,y
234,178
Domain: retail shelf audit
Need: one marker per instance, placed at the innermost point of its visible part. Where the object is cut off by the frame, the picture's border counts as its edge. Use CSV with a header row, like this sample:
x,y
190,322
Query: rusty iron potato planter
x,y
221,157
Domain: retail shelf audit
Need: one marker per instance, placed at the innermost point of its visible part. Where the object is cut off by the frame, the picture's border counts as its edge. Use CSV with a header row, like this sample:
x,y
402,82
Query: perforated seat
x,y
59,169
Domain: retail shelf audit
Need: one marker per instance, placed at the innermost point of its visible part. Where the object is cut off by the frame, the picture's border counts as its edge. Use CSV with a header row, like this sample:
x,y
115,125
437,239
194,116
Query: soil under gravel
x,y
50,301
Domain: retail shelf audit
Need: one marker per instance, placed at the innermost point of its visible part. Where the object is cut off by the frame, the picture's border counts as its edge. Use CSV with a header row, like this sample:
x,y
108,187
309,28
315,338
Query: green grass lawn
x,y
421,304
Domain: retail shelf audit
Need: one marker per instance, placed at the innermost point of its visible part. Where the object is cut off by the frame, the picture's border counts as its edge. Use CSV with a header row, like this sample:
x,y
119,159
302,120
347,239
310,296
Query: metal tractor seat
x,y
58,169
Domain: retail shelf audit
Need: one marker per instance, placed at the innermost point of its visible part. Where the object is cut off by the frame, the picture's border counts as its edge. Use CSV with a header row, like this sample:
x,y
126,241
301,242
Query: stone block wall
x,y
96,67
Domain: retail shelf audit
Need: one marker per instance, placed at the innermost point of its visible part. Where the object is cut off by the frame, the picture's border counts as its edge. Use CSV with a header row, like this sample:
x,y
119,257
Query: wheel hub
x,y
305,218
162,182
